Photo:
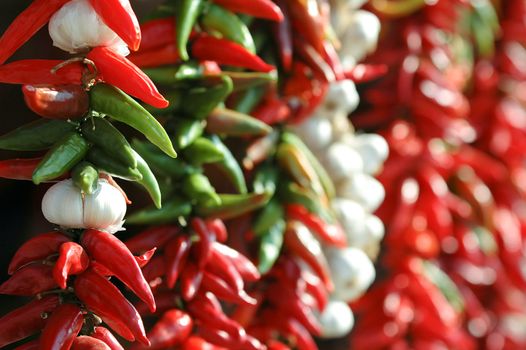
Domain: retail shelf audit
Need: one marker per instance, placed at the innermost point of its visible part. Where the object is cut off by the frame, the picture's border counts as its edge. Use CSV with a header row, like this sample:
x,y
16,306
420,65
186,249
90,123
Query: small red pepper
x,y
104,299
173,328
155,269
191,280
26,25
217,226
223,267
26,320
219,338
206,237
110,252
119,16
72,260
176,253
144,259
107,337
62,328
283,36
256,8
39,72
154,237
29,280
32,345
164,55
196,343
223,291
363,73
314,60
120,72
246,268
85,342
306,19
57,102
164,300
37,248
19,169
156,33
272,111
225,52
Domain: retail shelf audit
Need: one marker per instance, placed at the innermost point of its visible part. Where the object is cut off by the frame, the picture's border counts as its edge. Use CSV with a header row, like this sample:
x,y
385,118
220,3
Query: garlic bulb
x,y
358,37
76,27
364,189
373,149
316,131
340,160
336,320
65,205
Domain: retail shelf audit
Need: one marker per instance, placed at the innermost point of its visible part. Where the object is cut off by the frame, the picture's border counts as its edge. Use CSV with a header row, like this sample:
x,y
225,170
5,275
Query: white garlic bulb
x,y
340,160
352,218
373,149
363,189
316,132
65,205
352,272
336,320
359,37
342,96
76,27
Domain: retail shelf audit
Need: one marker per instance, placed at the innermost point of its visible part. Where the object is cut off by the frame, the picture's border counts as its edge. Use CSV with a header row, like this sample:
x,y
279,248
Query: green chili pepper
x,y
269,215
186,131
218,19
249,99
160,162
85,177
171,211
148,181
266,179
36,136
113,102
198,187
443,282
324,178
246,80
233,205
61,158
108,164
102,133
203,151
202,96
270,245
186,13
231,123
173,75
229,166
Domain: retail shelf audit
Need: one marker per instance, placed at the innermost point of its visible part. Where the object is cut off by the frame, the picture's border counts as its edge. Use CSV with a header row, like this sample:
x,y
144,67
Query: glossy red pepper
x,y
362,73
26,25
225,52
119,16
191,280
72,260
120,72
32,345
154,237
164,55
306,19
314,60
217,226
39,72
219,338
223,291
57,101
104,299
29,280
272,111
246,268
85,342
26,320
256,8
206,237
110,252
165,300
283,36
157,33
223,267
172,329
176,254
62,328
19,169
155,269
37,248
196,343
107,337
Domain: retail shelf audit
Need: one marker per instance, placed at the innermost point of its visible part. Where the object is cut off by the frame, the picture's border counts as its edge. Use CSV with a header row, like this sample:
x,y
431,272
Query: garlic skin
x,y
76,27
336,320
363,189
65,205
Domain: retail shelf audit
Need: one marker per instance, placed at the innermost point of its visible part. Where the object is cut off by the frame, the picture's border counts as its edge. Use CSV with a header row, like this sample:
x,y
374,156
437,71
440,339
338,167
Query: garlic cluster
x,y
65,205
76,27
351,160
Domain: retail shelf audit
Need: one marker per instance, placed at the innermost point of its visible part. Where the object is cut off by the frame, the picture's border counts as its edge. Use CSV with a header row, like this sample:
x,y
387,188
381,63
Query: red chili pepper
x,y
110,252
330,233
196,343
85,342
191,280
315,287
176,253
306,20
303,339
272,111
19,169
256,8
217,226
57,102
144,259
223,267
276,345
26,320
34,17
283,36
206,237
223,291
155,269
37,248
225,52
107,337
32,345
314,60
72,260
219,338
154,237
29,280
164,55
104,299
174,327
205,308
363,73
333,60
157,33
246,268
119,16
62,328
39,72
120,72
164,300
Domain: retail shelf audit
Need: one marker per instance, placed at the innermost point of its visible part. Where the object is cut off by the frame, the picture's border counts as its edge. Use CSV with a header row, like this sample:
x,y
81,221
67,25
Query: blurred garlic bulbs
x,y
336,320
65,205
76,27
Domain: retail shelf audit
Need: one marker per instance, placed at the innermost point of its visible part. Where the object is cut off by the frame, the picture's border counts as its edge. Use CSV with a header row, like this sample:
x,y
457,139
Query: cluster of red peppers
x,y
450,275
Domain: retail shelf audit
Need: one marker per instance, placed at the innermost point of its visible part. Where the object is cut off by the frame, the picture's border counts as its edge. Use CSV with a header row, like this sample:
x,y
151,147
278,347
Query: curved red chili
x,y
57,101
39,72
110,252
62,328
191,280
107,337
72,260
223,291
206,237
246,268
29,280
85,342
176,253
154,237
